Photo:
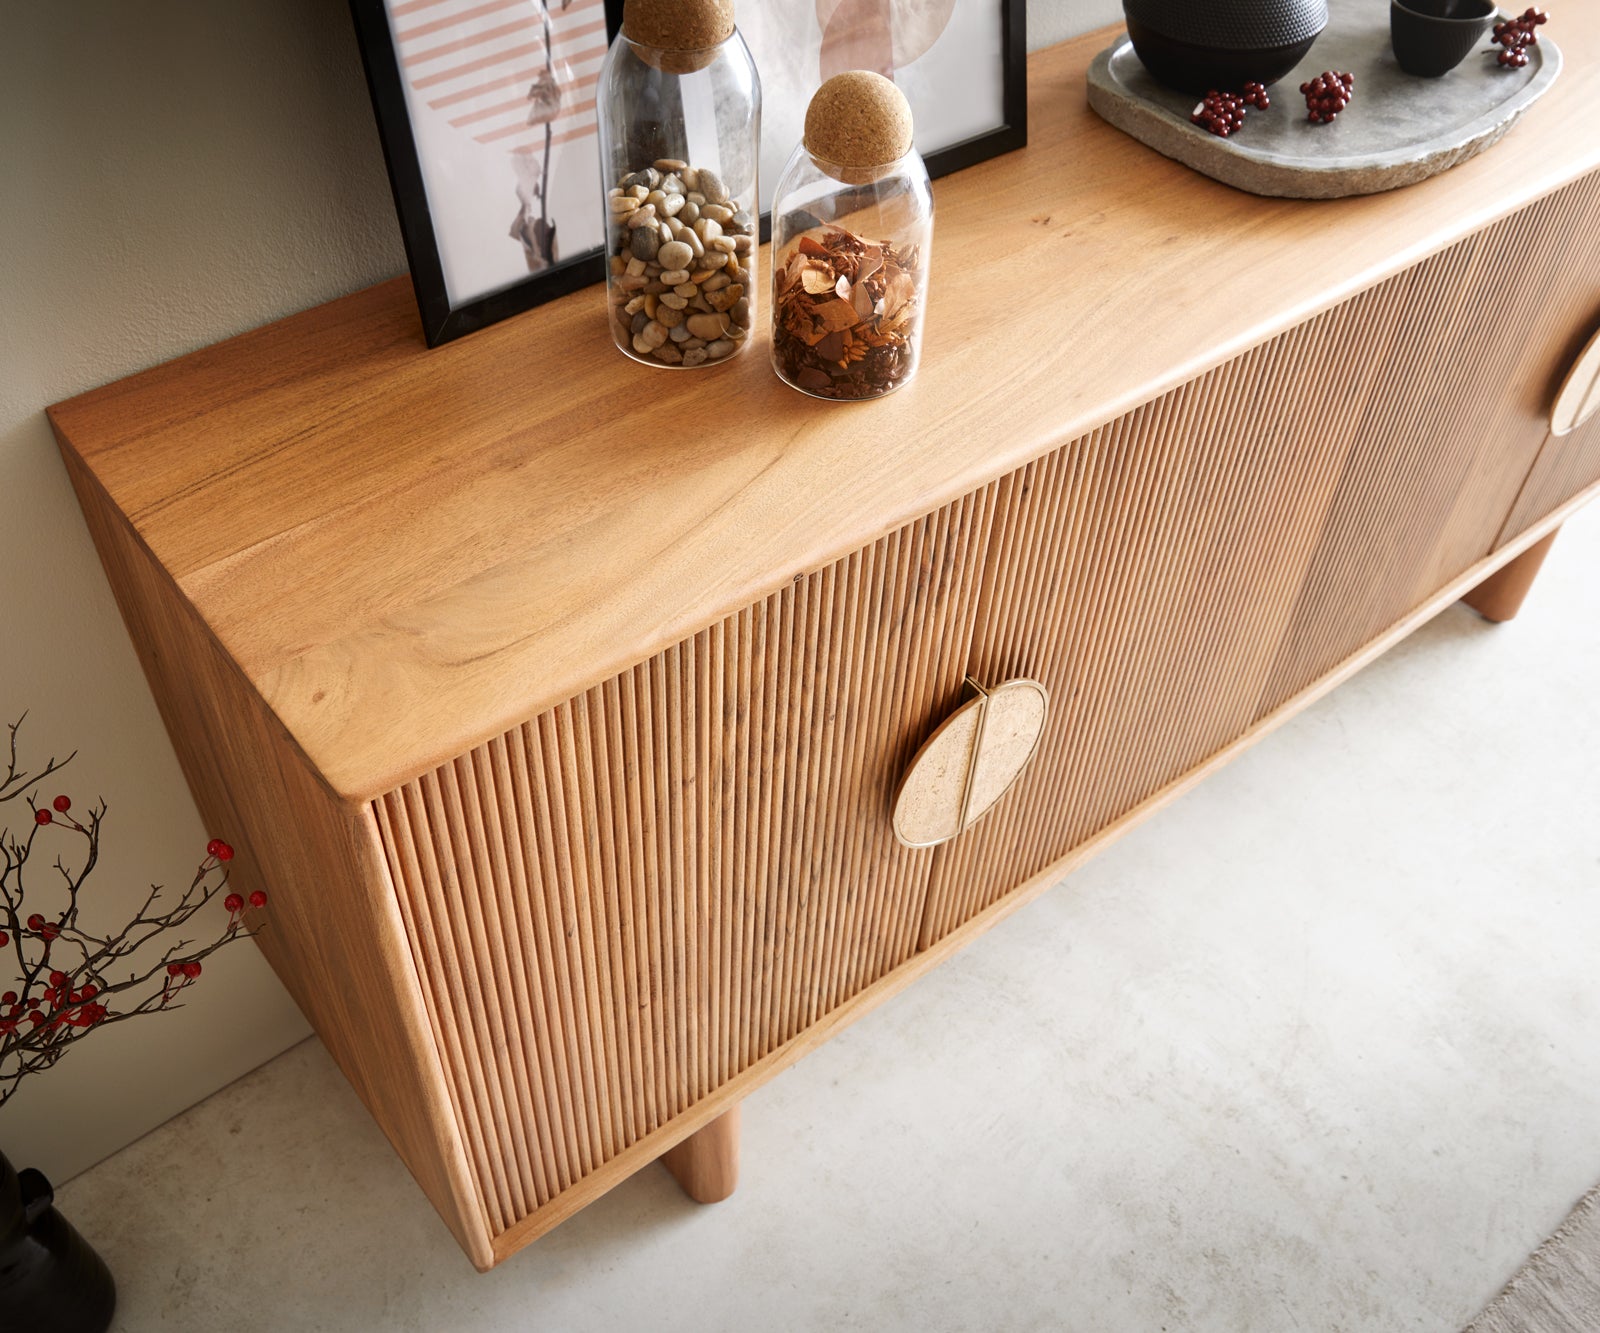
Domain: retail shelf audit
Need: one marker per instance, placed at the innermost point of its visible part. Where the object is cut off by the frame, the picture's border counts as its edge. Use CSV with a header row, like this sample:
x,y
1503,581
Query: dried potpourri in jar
x,y
845,314
852,231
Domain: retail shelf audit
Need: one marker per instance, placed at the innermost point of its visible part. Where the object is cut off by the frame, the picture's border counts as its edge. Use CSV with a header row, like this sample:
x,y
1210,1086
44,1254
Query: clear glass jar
x,y
850,254
679,145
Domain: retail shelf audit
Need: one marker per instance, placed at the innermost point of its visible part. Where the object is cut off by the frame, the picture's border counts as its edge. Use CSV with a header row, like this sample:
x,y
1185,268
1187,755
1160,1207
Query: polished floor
x,y
1317,1048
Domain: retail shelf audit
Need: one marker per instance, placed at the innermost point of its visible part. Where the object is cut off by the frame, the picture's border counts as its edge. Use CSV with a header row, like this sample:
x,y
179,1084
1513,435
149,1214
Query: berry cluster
x,y
1327,95
57,1006
1223,113
1514,36
1220,113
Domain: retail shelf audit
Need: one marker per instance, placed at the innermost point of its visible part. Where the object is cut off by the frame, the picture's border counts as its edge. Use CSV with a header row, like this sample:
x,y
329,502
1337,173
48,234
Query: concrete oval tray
x,y
1397,130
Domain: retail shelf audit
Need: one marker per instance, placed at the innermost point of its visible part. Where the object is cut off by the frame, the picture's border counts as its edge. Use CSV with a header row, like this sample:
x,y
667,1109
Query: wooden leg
x,y
1499,597
706,1163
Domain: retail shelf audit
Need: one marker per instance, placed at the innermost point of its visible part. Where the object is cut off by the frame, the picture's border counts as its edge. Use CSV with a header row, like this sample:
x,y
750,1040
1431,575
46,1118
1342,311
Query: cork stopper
x,y
858,119
678,25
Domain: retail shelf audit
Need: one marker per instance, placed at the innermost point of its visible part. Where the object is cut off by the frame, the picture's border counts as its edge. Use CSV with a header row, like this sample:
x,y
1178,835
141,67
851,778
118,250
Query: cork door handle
x,y
1578,399
970,762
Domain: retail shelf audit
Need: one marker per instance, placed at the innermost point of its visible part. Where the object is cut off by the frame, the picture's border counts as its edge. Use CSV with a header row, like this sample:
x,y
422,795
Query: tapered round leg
x,y
1499,597
706,1163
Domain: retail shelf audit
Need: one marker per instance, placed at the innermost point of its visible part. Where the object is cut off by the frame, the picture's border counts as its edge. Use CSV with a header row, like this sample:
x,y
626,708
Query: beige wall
x,y
170,174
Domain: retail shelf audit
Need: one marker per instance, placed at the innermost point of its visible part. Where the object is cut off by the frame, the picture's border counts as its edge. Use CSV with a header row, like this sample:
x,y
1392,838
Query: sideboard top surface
x,y
408,551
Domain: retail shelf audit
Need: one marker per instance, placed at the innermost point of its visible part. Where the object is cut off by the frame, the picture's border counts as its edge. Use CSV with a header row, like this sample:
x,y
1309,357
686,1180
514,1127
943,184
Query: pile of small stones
x,y
682,265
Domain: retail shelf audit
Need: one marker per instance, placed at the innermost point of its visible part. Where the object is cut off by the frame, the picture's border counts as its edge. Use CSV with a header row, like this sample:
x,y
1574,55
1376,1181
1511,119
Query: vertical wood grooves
x,y
634,897
623,904
1180,573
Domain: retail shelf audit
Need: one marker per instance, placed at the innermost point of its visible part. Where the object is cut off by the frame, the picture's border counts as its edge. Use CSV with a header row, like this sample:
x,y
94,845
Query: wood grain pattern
x,y
481,547
333,931
1186,570
564,731
939,950
706,1164
1568,464
1500,596
640,894
698,852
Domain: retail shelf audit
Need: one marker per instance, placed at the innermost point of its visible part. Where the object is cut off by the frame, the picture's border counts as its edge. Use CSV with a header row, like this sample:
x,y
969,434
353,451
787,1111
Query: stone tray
x,y
1397,130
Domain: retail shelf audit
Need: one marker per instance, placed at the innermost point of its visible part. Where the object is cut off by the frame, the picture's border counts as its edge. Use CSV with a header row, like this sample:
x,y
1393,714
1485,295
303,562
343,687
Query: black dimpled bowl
x,y
1197,45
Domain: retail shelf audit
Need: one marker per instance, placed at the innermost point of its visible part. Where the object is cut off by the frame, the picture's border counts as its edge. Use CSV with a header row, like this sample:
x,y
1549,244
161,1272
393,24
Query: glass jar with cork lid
x,y
852,233
679,105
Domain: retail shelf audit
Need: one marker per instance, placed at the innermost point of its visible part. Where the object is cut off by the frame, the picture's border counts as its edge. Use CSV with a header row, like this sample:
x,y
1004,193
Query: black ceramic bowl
x,y
1197,45
1432,37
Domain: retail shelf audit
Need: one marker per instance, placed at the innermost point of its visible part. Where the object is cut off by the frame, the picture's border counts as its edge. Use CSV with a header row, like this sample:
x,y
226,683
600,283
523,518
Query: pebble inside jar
x,y
680,122
852,234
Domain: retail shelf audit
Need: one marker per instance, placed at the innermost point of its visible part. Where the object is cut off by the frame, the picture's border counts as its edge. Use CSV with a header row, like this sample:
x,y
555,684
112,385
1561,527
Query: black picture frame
x,y
1012,132
442,321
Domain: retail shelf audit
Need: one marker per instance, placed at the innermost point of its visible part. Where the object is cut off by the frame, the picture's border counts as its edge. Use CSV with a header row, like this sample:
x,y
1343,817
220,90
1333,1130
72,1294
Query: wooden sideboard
x,y
561,703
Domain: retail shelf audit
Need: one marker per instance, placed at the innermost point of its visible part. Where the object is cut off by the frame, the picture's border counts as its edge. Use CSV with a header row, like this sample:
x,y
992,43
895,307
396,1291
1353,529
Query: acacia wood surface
x,y
632,902
706,1164
409,552
1500,596
621,905
344,955
939,949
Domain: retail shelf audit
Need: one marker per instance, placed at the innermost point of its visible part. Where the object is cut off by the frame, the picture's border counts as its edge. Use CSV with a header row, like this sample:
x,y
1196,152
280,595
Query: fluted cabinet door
x,y
621,905
1477,339
1180,574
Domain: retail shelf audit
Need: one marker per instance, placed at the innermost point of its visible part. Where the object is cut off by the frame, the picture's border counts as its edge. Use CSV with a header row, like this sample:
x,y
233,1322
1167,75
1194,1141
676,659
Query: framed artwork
x,y
487,115
962,65
486,112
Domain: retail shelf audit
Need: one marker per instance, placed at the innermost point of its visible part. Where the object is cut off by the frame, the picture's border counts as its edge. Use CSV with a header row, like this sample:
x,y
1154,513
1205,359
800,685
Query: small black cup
x,y
1432,37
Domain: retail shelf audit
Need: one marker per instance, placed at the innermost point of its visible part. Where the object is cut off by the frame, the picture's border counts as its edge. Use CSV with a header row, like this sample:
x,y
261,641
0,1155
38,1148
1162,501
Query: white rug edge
x,y
1557,1290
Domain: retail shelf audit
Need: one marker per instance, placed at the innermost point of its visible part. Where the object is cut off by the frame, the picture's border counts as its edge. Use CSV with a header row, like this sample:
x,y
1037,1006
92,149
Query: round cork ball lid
x,y
858,119
678,25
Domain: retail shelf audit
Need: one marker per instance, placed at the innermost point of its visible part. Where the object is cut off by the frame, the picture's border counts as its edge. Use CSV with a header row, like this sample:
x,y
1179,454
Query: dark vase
x,y
51,1280
1197,45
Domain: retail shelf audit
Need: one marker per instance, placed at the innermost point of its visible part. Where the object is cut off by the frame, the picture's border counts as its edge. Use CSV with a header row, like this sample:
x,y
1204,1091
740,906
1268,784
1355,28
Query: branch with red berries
x,y
69,980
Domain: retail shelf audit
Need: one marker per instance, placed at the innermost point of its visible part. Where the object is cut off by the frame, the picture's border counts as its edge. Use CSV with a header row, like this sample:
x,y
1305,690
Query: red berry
x,y
89,991
41,816
224,852
5,939
10,997
191,970
1220,113
35,922
50,930
33,1002
36,1019
258,899
174,969
8,1025
62,804
56,978
233,902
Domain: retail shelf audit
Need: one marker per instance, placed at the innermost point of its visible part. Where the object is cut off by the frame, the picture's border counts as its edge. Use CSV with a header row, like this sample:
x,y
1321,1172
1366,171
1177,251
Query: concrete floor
x,y
1317,1048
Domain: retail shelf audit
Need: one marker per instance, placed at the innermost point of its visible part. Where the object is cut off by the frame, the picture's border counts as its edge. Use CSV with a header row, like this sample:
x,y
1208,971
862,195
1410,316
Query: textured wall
x,y
170,174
